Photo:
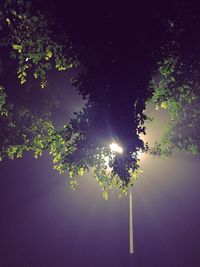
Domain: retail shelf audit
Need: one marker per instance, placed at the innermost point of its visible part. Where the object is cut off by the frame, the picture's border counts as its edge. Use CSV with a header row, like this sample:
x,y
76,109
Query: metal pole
x,y
131,220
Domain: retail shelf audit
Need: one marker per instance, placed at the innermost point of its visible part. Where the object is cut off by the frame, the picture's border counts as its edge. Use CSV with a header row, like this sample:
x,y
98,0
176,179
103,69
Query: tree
x,y
177,88
81,144
118,69
30,49
33,46
123,47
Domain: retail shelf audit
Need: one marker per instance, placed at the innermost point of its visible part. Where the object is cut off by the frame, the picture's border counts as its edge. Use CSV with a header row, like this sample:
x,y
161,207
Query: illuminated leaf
x,y
105,195
8,21
13,12
48,55
17,47
164,105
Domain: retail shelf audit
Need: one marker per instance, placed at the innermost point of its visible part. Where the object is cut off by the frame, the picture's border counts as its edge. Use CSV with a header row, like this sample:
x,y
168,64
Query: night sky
x,y
45,224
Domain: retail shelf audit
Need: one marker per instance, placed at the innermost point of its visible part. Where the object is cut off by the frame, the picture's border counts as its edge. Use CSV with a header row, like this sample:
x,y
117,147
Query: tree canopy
x,y
128,56
176,87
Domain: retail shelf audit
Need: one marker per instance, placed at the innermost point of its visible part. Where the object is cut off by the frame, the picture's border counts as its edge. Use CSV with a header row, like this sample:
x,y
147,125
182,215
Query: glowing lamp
x,y
114,147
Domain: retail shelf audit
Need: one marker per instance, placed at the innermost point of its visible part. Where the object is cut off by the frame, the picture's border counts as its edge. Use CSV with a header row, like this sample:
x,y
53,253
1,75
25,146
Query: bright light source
x,y
139,154
114,147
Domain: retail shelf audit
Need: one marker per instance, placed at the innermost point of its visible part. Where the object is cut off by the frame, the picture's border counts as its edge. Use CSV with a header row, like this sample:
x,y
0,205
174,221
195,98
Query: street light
x,y
114,147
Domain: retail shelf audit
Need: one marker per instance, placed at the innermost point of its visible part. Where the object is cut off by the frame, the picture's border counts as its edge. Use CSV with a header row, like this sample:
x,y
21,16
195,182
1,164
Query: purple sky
x,y
45,224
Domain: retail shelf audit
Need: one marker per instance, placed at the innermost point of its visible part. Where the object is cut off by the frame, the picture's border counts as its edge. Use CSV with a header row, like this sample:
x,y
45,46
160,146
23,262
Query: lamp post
x,y
131,221
114,147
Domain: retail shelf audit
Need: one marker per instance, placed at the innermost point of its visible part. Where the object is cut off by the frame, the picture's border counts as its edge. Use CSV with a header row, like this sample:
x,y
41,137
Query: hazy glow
x,y
114,147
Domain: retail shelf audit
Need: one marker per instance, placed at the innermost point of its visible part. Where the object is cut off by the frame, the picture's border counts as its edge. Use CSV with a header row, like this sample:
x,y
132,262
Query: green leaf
x,y
13,12
164,105
35,75
105,195
8,21
81,171
17,47
48,55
